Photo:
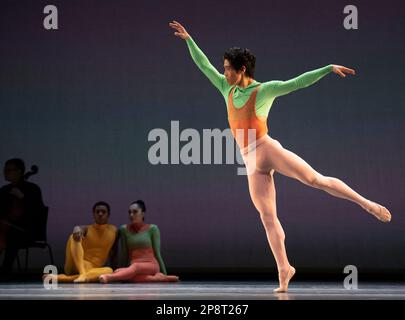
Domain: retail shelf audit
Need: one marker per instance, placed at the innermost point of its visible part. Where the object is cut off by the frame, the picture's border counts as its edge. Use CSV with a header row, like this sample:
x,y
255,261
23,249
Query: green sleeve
x,y
123,258
202,62
276,88
156,247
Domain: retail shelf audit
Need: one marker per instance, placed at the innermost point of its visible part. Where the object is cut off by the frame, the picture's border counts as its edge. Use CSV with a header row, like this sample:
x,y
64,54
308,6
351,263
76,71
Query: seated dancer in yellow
x,y
89,247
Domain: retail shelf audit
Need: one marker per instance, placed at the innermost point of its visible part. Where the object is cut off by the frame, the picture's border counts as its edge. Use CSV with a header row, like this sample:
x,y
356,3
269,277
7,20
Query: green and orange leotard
x,y
261,94
139,254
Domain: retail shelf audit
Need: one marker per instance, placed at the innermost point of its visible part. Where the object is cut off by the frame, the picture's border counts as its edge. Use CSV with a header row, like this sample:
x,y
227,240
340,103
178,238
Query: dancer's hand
x,y
181,31
340,70
77,233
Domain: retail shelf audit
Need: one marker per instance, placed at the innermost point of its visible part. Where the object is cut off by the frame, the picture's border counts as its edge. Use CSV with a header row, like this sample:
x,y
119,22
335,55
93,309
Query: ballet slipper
x,y
284,284
381,213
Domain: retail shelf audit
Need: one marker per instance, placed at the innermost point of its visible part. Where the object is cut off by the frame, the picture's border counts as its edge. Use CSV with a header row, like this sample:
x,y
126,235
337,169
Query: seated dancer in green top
x,y
248,103
139,251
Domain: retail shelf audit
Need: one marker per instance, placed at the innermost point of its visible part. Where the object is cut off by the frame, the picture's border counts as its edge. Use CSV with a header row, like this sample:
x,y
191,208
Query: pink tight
x,y
269,156
138,272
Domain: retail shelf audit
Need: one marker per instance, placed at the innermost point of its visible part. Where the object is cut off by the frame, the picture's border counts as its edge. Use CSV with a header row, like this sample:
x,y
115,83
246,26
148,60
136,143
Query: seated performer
x,y
89,247
21,209
139,251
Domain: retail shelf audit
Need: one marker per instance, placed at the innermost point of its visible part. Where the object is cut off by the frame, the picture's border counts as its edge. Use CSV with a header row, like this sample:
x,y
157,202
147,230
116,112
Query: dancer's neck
x,y
245,82
137,226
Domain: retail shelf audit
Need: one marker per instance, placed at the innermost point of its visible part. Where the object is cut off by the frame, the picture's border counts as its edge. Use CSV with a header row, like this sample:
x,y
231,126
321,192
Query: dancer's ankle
x,y
284,270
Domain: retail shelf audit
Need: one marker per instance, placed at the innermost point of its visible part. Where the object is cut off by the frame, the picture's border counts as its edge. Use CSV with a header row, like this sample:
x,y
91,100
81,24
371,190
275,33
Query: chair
x,y
40,239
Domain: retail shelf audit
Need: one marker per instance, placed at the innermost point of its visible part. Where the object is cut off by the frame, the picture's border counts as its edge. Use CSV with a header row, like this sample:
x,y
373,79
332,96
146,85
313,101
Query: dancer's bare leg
x,y
291,165
263,194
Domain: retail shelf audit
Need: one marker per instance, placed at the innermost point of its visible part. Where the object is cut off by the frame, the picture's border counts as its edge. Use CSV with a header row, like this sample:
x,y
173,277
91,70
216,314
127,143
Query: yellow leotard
x,y
85,258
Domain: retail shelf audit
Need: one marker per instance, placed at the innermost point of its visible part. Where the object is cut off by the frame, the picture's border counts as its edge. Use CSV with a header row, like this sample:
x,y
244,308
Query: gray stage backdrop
x,y
80,102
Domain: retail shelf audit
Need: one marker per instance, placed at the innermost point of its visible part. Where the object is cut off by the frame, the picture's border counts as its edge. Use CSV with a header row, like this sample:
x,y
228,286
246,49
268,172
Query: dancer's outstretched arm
x,y
200,59
277,88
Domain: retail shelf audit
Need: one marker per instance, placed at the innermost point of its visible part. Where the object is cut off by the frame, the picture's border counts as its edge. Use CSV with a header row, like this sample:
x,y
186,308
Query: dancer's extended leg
x,y
291,165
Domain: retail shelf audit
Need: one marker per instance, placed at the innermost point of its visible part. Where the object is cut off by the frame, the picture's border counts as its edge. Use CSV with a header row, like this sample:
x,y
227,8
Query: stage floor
x,y
204,290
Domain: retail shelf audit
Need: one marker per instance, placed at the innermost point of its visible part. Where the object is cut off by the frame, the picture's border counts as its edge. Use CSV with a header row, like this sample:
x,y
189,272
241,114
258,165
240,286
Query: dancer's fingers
x,y
177,28
349,70
174,23
180,25
174,26
341,73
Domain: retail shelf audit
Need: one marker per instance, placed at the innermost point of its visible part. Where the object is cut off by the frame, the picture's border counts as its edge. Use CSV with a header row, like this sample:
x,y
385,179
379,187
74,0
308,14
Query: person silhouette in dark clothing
x,y
20,206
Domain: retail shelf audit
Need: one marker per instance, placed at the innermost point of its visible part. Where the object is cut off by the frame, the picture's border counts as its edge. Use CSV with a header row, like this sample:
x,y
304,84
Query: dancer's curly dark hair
x,y
239,57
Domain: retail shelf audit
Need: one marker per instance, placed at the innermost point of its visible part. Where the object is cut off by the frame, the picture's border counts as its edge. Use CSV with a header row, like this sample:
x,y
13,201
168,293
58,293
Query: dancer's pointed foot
x,y
81,279
284,278
162,277
379,211
173,278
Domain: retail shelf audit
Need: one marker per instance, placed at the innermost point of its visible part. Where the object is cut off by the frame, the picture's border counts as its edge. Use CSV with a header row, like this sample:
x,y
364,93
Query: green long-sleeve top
x,y
267,92
129,241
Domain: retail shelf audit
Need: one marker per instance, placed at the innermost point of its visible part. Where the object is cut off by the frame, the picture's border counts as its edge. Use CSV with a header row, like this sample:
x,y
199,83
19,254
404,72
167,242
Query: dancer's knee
x,y
268,218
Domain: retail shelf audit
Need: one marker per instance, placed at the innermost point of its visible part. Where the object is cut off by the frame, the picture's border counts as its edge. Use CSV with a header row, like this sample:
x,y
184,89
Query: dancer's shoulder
x,y
112,227
153,227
